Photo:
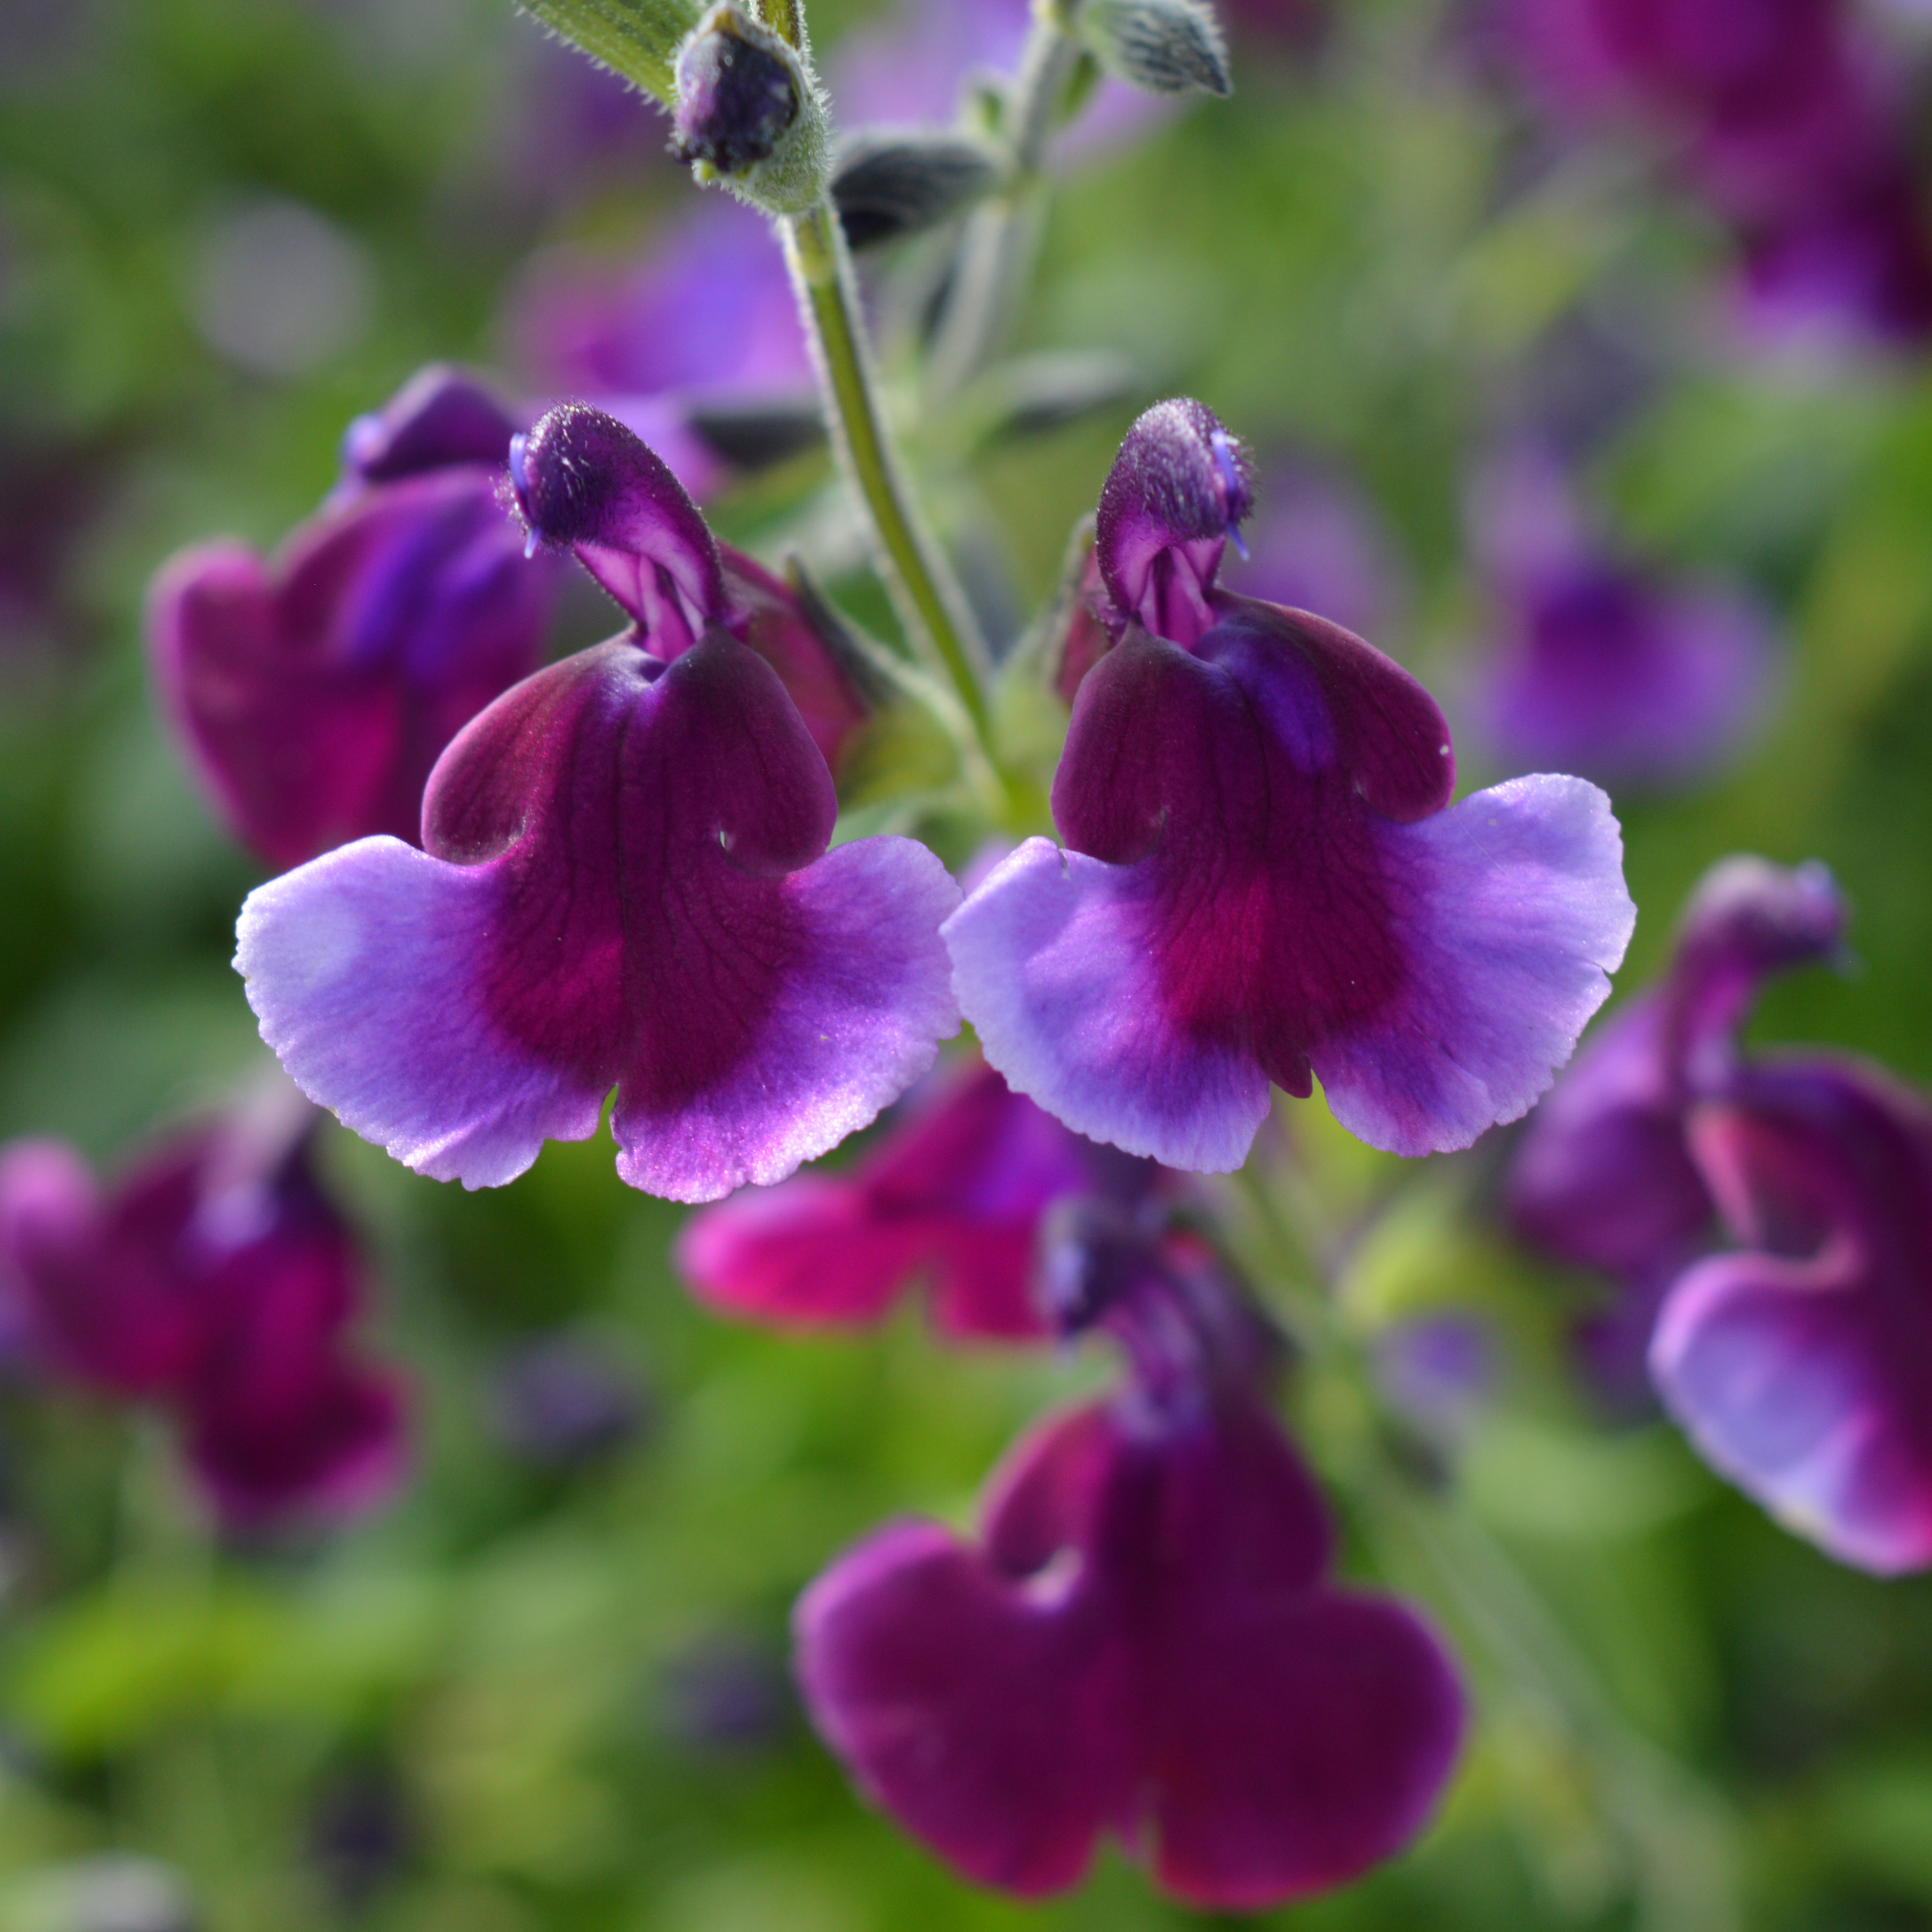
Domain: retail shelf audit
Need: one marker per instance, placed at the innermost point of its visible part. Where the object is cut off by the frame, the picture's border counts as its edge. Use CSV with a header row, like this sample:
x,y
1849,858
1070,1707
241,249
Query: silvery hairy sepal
x,y
891,184
750,114
1166,47
638,39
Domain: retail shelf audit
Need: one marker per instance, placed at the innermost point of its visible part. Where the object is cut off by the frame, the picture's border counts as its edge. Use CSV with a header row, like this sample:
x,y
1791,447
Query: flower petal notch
x,y
955,1193
1143,1642
313,692
625,881
1802,1366
217,1279
1264,880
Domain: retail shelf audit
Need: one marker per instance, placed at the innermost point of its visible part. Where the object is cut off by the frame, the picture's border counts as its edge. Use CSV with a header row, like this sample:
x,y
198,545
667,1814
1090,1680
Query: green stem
x,y
929,601
995,251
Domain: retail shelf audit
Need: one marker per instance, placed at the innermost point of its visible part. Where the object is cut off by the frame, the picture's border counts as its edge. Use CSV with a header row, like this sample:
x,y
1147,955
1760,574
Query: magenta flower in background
x,y
1144,1642
625,881
313,692
953,1194
1264,880
1785,123
1603,668
1603,1178
1800,1366
217,1279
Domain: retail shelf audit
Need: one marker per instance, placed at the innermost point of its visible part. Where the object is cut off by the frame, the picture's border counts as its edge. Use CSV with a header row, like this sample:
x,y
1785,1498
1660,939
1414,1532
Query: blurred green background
x,y
528,1698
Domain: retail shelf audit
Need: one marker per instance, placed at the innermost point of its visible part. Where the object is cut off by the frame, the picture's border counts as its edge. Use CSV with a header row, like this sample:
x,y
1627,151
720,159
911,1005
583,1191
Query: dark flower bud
x,y
887,186
1166,47
748,114
439,418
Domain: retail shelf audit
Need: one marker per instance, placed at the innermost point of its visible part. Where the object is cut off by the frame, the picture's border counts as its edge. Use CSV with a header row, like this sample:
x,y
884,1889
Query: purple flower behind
x,y
1603,1178
1264,880
1143,1642
1316,543
314,692
1603,668
562,1401
217,1279
625,881
954,1193
1800,1366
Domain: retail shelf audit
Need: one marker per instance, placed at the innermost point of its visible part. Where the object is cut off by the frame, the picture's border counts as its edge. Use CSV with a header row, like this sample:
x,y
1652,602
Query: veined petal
x,y
623,885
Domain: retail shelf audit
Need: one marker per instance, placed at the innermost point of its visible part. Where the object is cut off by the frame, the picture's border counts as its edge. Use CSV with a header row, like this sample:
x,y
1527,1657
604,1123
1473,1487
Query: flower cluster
x,y
215,1279
1797,1358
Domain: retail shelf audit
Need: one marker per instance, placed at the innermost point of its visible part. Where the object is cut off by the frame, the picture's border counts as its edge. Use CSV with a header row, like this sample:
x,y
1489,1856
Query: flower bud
x,y
748,114
1164,46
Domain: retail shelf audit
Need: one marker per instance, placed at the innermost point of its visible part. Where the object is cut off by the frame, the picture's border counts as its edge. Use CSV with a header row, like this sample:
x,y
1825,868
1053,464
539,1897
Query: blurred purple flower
x,y
954,1193
1800,1366
625,881
1604,669
1603,1178
1144,1642
1316,543
1786,123
726,1697
1436,1369
706,322
217,1279
563,1400
314,692
1264,880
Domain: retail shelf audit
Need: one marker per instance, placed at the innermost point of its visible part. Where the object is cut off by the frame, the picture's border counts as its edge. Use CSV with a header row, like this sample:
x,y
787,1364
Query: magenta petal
x,y
439,418
365,968
1515,914
626,889
1051,964
1802,1368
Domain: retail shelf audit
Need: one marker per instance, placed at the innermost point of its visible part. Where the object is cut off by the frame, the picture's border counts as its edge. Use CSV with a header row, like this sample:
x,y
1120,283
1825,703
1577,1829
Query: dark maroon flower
x,y
217,1279
1263,881
625,881
314,692
954,1194
737,95
1144,1642
1800,1366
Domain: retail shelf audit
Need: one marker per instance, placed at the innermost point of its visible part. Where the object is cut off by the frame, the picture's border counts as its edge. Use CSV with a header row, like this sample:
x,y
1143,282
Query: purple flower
x,y
314,692
1801,1367
624,880
1317,544
955,1193
707,323
1786,125
1603,1178
1263,879
217,1279
1143,1641
1603,668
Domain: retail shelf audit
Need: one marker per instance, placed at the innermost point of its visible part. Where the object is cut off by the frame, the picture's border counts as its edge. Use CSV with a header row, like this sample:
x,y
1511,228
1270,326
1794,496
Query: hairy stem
x,y
927,598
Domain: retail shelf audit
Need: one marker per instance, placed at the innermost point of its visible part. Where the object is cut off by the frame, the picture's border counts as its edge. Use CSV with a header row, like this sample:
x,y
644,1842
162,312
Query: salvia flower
x,y
314,691
1264,880
1801,1365
954,1193
1143,1641
624,881
1604,667
217,1279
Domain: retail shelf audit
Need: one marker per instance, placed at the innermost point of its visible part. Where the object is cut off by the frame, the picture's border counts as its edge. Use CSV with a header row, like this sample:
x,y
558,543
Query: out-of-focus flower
x,y
563,1400
954,1194
1315,543
625,881
313,692
1801,1365
1604,668
726,1697
1143,1642
1264,880
217,1279
700,340
1785,121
